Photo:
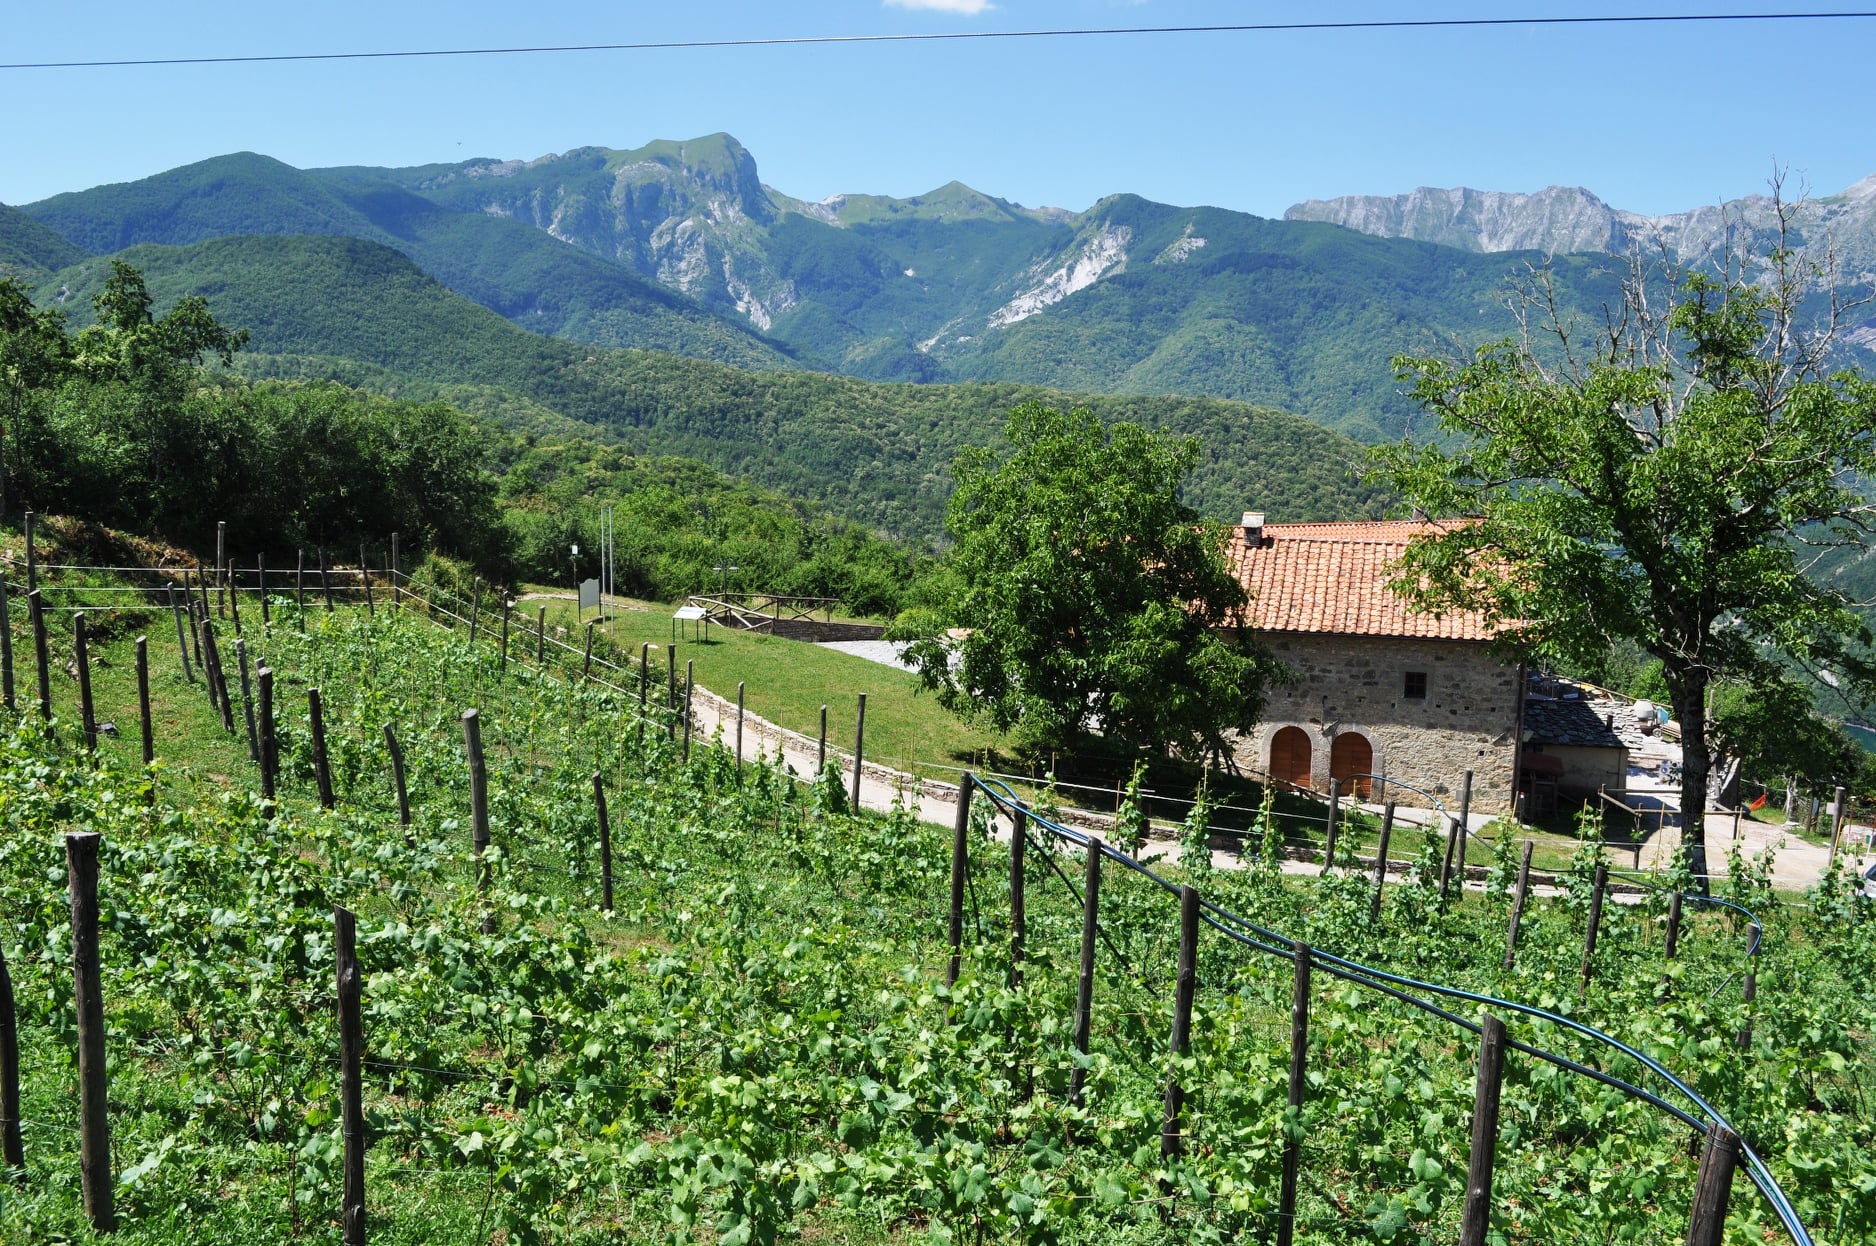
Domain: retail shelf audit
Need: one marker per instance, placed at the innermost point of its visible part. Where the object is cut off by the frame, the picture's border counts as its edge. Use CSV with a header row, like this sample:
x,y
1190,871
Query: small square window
x,y
1416,689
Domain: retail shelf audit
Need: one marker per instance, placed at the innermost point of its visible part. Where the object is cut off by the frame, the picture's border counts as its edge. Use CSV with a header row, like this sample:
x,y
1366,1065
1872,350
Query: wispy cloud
x,y
968,8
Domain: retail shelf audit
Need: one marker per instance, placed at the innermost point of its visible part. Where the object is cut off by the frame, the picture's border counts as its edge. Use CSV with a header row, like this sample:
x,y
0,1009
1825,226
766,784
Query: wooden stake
x,y
1299,1087
605,843
820,758
12,1151
586,662
1084,985
1673,940
644,681
299,584
478,810
1707,1225
507,609
1596,890
397,598
234,597
670,690
36,608
475,611
1749,989
260,580
960,872
182,641
81,650
690,682
1019,922
325,580
143,705
6,649
540,639
270,747
1478,1210
1380,862
364,575
322,770
94,1125
739,730
247,699
1517,904
859,749
397,777
1171,1136
32,558
1455,838
351,1073
221,564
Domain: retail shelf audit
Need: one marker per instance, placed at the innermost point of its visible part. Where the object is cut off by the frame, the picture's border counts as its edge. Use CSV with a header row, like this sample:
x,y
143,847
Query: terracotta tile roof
x,y
1332,578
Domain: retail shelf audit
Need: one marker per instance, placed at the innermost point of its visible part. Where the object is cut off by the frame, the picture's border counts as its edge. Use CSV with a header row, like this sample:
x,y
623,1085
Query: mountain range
x,y
681,246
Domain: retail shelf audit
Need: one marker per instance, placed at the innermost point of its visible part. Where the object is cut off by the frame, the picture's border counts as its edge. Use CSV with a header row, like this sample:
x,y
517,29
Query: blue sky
x,y
1652,119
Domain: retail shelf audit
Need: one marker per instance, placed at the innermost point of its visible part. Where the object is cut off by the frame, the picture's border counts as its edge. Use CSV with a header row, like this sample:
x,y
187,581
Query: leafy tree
x,y
1771,732
1093,597
1655,480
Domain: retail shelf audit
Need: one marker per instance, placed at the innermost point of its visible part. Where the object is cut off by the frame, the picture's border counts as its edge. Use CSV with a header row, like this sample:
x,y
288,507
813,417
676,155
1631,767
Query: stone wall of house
x,y
1468,719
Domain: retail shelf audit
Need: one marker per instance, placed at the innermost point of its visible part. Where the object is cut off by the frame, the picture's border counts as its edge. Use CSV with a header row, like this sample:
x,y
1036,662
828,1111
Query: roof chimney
x,y
1253,527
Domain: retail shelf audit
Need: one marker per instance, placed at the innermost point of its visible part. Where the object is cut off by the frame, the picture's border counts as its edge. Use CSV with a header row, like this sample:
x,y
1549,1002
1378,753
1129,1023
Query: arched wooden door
x,y
1351,754
1289,756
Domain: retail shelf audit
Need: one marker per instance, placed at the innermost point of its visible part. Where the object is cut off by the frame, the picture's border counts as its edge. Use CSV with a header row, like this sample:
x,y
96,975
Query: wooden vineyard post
x,y
270,751
739,730
299,584
859,749
6,649
605,843
199,608
325,580
94,1125
12,1150
1328,835
540,638
586,662
1517,903
1380,862
475,611
247,699
182,641
1456,844
1836,826
1707,1225
1596,891
32,558
364,576
397,598
35,609
260,587
960,871
1478,1210
507,609
397,778
1299,1086
221,566
146,728
1749,989
478,810
670,691
322,771
1019,922
1671,944
1084,984
351,1073
1171,1135
87,712
644,682
219,676
690,682
234,597
820,758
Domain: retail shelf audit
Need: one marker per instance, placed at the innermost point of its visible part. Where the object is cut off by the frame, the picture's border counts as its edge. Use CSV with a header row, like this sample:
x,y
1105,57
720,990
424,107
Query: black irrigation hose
x,y
1397,986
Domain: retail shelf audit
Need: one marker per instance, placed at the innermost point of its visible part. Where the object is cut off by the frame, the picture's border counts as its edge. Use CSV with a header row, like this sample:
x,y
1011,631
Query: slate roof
x,y
1572,722
1332,578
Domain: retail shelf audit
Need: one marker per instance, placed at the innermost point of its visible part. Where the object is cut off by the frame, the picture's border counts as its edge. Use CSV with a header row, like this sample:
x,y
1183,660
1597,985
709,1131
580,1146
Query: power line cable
x,y
965,35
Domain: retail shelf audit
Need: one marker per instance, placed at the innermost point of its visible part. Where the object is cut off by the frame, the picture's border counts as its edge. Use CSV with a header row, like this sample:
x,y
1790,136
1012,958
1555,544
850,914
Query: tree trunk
x,y
1689,694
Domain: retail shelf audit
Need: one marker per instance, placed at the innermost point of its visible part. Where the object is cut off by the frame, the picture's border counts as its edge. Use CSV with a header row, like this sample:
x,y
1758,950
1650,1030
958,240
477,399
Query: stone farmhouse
x,y
1380,690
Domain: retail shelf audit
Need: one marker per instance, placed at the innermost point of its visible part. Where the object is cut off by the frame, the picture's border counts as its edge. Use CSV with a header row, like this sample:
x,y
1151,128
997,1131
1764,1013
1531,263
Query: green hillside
x,y
872,452
29,249
514,269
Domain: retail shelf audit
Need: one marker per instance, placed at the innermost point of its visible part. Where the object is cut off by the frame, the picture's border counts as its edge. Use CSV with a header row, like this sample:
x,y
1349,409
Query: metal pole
x,y
739,729
299,584
221,563
507,607
32,559
586,664
325,580
260,579
540,638
364,575
94,1132
396,592
859,742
